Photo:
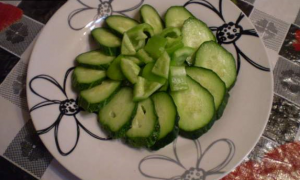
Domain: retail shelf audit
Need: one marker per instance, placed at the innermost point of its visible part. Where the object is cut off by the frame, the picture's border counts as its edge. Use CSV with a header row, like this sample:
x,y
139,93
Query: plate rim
x,y
59,160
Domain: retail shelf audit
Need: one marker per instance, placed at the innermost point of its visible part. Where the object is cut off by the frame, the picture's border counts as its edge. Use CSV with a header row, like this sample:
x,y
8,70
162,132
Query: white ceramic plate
x,y
75,139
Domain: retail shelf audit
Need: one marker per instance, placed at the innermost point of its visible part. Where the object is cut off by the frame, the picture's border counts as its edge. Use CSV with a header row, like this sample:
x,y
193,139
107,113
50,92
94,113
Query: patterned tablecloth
x,y
276,156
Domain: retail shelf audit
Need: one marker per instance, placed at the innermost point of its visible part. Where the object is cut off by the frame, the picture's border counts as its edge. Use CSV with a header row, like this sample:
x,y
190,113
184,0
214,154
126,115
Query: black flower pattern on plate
x,y
103,10
17,33
196,172
230,32
67,107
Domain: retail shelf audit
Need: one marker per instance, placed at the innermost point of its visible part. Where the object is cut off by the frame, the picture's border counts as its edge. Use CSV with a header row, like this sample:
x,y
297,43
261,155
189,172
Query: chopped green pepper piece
x,y
161,66
173,44
127,47
144,56
172,32
156,46
139,34
147,74
135,59
165,86
181,55
114,71
130,70
144,88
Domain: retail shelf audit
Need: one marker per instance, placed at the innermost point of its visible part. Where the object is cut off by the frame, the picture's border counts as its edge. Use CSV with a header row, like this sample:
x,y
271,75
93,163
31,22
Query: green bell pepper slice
x,y
156,46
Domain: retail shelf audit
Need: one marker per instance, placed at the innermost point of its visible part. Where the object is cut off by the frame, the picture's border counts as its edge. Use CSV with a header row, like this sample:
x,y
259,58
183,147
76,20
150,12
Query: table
x,y
276,156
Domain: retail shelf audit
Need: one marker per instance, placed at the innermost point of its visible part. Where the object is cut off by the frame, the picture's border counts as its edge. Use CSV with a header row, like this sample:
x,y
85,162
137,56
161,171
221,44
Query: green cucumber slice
x,y
181,55
167,118
144,127
95,59
84,78
93,99
213,56
196,32
176,15
147,74
196,110
144,88
116,115
177,78
114,71
212,82
130,70
120,24
150,16
109,42
161,66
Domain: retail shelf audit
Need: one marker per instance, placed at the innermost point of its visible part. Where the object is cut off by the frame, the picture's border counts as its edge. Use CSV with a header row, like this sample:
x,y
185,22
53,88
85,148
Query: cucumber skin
x,y
222,106
166,140
119,34
145,141
83,86
122,132
96,106
90,66
233,84
199,132
111,51
143,20
169,138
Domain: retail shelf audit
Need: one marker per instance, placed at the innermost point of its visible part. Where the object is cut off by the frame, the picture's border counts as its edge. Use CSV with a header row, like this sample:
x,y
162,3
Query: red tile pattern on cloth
x,y
296,43
9,14
282,163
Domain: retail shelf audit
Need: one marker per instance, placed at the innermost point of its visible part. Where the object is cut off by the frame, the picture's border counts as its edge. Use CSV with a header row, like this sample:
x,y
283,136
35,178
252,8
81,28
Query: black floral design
x,y
196,172
230,32
33,148
17,33
103,10
67,107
